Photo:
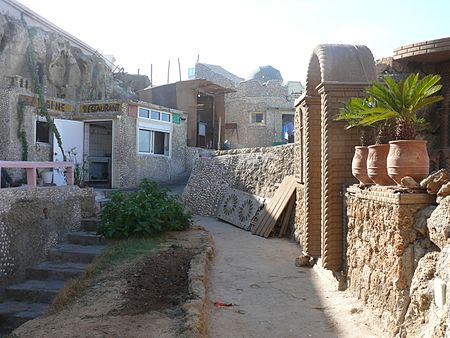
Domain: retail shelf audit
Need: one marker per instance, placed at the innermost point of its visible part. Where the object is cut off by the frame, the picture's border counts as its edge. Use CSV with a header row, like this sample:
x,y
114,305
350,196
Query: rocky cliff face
x,y
65,70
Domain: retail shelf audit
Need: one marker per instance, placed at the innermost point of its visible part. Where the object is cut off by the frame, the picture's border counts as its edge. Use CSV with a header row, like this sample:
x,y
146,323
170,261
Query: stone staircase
x,y
29,299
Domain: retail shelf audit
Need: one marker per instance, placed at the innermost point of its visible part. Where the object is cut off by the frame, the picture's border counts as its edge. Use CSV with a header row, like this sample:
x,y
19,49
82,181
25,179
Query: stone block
x,y
439,224
434,182
443,192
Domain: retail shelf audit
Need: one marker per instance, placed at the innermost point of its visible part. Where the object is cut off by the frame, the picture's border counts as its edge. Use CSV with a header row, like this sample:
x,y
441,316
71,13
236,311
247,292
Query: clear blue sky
x,y
240,35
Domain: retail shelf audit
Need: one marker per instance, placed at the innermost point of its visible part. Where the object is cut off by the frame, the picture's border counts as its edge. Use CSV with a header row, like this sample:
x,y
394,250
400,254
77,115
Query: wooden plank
x,y
265,213
281,222
267,226
287,216
279,210
273,209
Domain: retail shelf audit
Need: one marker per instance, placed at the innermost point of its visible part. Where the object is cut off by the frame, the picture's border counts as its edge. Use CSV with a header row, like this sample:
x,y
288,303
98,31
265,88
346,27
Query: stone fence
x,y
396,251
253,170
33,220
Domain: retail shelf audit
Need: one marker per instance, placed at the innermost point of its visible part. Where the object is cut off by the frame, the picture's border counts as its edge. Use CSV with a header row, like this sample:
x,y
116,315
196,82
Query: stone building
x,y
118,138
260,111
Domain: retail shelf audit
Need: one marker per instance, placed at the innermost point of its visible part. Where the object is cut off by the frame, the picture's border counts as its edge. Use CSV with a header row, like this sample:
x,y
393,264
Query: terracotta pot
x,y
408,158
377,164
359,165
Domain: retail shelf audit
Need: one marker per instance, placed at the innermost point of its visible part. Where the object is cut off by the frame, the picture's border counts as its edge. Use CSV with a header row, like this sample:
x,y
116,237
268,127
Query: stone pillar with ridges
x,y
312,170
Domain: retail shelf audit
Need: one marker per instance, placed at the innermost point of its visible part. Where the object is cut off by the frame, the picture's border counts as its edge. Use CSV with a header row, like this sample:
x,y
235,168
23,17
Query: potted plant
x,y
369,162
378,153
401,102
351,113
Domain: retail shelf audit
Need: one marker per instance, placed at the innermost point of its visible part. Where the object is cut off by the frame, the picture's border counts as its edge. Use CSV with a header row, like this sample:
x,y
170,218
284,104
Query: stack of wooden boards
x,y
280,208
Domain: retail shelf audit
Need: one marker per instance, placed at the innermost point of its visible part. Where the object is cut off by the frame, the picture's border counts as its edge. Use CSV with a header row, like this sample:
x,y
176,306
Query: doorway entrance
x,y
205,121
98,147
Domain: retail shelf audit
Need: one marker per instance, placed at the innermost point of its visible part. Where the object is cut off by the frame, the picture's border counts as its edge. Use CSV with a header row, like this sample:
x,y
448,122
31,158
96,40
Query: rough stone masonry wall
x,y
383,249
299,220
254,170
32,220
426,316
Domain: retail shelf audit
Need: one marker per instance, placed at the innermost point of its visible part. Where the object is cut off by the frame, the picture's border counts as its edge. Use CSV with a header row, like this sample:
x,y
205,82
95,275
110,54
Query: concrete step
x,y
56,270
100,204
89,224
75,253
14,314
84,238
34,290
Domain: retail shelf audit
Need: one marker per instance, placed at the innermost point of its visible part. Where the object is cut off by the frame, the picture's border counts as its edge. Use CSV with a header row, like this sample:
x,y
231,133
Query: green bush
x,y
144,213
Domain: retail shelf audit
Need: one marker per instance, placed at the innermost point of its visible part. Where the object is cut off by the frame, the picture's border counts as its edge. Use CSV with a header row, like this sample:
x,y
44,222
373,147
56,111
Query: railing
x,y
31,167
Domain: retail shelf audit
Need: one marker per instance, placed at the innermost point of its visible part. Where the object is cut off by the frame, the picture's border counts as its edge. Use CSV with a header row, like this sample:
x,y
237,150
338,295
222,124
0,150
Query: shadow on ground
x,y
270,297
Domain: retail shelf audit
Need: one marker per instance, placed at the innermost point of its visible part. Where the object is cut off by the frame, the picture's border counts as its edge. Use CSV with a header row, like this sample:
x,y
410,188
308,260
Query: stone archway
x,y
335,74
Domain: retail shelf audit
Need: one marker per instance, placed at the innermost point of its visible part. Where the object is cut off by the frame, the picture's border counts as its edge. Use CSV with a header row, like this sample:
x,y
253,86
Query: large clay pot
x,y
359,165
408,158
377,164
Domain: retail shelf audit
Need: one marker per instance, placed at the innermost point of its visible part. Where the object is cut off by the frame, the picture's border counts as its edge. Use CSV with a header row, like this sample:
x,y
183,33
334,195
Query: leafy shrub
x,y
144,213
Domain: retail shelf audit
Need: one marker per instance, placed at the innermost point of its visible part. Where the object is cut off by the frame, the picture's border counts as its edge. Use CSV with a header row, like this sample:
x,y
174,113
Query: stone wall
x,y
299,221
254,170
193,154
384,246
427,316
32,220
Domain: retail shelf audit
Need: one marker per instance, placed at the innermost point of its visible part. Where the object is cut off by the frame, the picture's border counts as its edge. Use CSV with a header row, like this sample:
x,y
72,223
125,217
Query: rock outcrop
x,y
439,224
64,69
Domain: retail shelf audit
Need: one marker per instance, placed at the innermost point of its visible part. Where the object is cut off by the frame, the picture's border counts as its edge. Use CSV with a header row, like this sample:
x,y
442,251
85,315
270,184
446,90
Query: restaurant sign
x,y
100,107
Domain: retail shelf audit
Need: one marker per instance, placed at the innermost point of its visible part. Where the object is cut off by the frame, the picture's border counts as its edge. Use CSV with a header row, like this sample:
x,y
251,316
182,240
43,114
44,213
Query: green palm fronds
x,y
398,101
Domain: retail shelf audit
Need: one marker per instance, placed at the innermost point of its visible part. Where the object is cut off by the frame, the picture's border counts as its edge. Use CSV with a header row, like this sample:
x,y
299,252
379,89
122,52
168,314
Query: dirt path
x,y
270,296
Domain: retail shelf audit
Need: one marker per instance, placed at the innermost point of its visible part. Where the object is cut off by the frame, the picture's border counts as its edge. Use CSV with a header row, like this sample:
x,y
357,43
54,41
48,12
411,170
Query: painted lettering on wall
x,y
100,107
59,106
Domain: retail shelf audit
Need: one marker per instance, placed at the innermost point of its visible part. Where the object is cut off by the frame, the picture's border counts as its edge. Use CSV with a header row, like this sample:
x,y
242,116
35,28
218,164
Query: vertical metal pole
x,y
168,72
220,128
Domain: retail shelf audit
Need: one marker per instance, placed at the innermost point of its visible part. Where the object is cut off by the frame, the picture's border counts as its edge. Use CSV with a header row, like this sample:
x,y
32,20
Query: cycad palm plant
x,y
400,101
355,112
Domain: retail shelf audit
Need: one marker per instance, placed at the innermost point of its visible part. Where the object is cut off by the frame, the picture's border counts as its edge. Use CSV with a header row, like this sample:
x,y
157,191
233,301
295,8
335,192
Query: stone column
x,y
337,148
310,107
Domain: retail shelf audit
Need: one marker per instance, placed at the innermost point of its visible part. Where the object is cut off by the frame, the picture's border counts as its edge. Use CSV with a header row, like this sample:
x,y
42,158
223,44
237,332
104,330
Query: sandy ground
x,y
270,296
